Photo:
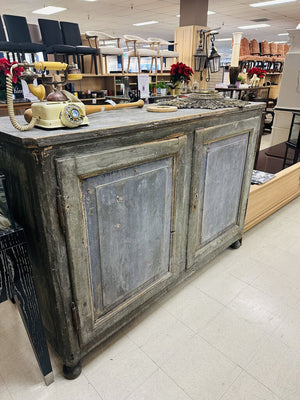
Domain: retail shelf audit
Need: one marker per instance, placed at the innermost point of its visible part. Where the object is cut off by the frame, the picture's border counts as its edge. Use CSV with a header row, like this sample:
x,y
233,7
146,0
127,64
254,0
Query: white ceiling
x,y
117,16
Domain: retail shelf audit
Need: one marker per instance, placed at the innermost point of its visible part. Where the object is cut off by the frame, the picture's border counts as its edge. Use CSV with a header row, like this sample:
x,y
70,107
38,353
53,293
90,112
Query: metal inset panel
x,y
224,170
128,236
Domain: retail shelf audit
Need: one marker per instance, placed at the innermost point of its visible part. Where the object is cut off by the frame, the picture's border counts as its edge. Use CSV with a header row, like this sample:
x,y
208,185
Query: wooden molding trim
x,y
269,197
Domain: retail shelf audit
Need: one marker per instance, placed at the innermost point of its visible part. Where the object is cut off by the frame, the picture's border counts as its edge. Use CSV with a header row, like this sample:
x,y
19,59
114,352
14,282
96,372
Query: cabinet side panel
x,y
224,171
128,214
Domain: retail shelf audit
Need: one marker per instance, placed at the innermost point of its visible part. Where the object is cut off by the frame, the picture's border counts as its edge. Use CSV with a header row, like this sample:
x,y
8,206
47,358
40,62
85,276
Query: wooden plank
x,y
187,39
269,197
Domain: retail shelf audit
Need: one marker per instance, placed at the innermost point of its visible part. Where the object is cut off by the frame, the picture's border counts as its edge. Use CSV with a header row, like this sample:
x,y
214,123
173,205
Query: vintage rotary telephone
x,y
67,111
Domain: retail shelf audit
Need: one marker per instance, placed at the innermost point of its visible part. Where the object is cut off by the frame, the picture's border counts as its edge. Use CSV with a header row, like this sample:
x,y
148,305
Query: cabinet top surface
x,y
108,123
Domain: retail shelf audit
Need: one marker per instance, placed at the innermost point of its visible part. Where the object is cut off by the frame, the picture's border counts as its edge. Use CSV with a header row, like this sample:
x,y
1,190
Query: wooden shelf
x,y
112,83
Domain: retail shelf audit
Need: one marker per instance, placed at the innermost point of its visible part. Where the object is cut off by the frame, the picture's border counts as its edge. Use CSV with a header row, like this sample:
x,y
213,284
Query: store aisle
x,y
231,332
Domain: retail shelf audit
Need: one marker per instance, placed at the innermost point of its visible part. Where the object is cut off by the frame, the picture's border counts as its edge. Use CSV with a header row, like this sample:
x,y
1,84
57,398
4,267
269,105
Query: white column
x,y
237,36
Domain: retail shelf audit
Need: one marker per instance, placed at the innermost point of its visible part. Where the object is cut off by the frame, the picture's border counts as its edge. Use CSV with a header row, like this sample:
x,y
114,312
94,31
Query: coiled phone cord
x,y
10,104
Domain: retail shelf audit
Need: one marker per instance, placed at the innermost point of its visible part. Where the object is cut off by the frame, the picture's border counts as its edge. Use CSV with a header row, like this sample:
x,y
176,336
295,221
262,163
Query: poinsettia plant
x,y
257,71
5,66
180,72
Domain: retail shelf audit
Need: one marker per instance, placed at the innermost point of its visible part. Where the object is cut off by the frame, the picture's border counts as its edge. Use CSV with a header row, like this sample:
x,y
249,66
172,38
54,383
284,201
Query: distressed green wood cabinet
x,y
118,212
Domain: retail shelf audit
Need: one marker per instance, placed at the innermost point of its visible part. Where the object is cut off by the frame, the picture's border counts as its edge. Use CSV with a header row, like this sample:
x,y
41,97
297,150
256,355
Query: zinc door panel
x,y
133,233
222,168
122,216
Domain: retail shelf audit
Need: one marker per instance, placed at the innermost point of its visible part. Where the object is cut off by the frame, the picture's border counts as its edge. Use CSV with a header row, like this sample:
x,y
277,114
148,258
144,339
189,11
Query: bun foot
x,y
72,372
236,244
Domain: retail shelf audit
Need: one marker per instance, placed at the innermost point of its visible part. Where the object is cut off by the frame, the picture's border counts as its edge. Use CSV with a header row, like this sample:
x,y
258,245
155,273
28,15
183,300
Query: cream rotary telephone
x,y
68,112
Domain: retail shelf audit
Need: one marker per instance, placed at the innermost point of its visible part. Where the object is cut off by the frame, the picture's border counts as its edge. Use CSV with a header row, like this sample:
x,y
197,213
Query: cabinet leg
x,y
236,244
72,372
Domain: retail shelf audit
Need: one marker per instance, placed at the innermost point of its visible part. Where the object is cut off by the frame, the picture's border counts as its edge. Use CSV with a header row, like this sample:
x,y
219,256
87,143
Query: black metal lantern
x,y
214,60
200,57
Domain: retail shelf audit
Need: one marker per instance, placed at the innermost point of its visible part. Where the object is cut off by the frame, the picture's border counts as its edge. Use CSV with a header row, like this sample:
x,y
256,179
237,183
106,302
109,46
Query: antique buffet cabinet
x,y
118,212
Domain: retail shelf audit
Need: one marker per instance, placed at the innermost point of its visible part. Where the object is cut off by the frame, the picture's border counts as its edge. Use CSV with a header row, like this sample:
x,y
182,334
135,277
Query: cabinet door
x,y
222,168
122,214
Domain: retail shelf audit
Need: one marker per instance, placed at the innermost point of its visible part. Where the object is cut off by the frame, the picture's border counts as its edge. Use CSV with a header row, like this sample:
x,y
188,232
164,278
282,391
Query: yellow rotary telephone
x,y
68,112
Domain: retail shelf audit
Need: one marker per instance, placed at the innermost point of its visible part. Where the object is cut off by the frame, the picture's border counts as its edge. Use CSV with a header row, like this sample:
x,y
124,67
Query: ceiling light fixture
x,y
271,3
282,41
49,10
254,26
145,23
282,34
223,39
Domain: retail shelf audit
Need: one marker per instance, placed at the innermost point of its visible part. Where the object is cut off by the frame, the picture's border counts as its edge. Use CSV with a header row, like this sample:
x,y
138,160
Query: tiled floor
x,y
230,333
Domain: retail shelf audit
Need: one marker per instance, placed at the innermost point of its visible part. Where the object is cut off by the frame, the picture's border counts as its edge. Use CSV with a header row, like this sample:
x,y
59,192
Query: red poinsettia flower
x,y
258,71
180,72
5,66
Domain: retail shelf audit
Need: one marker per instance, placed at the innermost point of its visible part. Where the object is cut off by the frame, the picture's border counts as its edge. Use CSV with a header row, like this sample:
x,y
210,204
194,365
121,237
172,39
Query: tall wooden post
x,y
193,17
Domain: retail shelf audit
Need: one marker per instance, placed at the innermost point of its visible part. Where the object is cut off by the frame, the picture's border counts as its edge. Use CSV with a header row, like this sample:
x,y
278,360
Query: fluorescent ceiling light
x,y
282,41
282,34
254,26
49,10
223,40
145,23
271,3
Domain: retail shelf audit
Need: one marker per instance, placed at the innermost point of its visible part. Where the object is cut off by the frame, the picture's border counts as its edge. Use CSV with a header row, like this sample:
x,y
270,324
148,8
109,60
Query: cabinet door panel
x,y
222,168
134,233
122,213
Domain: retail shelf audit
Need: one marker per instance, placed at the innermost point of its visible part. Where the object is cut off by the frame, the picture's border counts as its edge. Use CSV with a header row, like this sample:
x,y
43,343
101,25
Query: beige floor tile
x,y
159,335
4,393
259,308
282,260
21,371
61,389
289,330
277,367
159,387
247,270
222,287
112,349
247,388
235,337
277,285
11,322
201,370
118,376
193,307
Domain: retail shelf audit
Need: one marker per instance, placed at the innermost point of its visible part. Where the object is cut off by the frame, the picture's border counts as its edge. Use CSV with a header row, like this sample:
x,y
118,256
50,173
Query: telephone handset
x,y
69,112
